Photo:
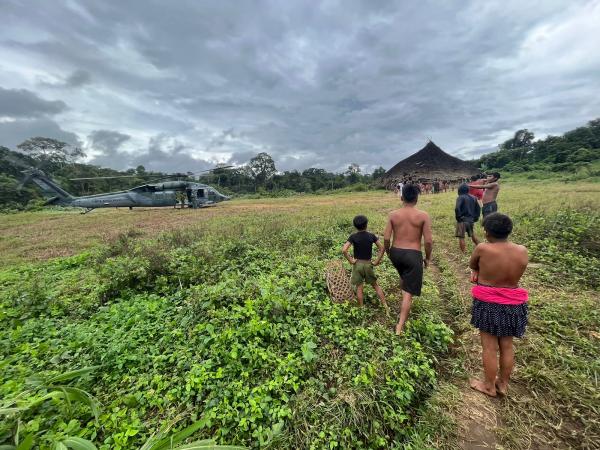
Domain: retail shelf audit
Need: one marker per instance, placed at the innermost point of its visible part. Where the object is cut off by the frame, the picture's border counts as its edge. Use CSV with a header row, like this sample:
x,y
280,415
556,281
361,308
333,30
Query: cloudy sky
x,y
182,85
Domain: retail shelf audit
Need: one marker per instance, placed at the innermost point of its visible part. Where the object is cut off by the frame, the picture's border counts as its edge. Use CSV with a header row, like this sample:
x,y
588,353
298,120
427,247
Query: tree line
x,y
576,150
572,151
259,176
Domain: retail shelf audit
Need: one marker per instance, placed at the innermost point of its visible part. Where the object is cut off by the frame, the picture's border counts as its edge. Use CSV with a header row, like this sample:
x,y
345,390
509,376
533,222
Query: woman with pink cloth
x,y
499,304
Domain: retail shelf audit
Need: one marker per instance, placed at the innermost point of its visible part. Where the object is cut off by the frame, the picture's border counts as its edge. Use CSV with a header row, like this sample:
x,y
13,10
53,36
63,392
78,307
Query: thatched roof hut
x,y
429,163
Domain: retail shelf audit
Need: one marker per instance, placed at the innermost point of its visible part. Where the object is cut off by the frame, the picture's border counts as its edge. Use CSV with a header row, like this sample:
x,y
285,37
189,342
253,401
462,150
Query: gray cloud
x,y
161,154
107,141
169,155
78,78
21,103
106,145
312,84
13,133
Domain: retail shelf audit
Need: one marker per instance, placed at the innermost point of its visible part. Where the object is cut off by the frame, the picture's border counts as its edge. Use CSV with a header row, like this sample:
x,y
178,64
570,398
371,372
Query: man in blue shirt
x,y
466,211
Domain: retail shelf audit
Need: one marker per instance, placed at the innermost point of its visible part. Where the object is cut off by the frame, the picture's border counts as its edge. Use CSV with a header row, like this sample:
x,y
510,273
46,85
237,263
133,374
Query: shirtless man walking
x,y
408,225
492,187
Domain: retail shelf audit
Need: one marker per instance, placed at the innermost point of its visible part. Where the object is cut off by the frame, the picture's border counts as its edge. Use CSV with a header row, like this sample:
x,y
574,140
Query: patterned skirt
x,y
499,320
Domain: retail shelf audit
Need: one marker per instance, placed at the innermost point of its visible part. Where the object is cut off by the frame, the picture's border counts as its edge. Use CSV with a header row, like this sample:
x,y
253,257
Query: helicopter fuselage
x,y
168,193
125,199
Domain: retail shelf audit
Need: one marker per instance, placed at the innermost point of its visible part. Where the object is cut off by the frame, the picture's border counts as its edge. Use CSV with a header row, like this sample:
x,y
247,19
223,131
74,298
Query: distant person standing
x,y
467,212
492,187
499,304
405,229
400,186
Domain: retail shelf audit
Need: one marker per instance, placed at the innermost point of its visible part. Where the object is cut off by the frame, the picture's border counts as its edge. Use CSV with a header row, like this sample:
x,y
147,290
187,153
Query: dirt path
x,y
477,417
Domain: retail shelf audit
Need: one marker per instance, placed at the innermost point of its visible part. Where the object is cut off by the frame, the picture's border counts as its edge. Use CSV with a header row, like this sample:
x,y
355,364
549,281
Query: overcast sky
x,y
182,85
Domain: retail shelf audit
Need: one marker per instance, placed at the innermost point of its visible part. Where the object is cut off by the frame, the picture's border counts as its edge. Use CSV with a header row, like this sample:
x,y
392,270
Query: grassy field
x,y
219,318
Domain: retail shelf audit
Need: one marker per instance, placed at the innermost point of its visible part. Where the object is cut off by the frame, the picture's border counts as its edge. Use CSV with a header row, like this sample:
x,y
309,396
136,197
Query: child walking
x,y
499,304
362,268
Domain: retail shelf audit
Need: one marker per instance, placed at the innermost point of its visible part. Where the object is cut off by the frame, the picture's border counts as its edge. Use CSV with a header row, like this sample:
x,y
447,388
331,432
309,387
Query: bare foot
x,y
398,330
501,387
481,387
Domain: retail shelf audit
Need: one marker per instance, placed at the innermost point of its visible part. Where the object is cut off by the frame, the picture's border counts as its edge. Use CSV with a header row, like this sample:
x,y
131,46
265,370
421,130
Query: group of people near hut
x,y
499,308
435,186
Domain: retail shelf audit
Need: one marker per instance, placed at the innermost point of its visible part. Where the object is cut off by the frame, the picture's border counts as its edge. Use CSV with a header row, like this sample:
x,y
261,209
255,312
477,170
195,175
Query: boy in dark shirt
x,y
362,269
467,212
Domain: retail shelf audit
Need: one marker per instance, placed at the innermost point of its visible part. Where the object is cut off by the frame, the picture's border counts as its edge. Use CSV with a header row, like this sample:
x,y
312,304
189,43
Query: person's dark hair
x,y
410,193
463,189
498,225
360,222
475,177
496,175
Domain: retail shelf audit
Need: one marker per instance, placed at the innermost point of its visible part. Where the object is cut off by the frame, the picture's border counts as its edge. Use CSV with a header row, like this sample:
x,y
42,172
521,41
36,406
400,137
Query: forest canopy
x,y
567,153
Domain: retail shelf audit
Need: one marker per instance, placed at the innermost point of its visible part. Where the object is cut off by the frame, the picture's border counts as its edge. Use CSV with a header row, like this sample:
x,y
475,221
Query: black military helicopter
x,y
159,194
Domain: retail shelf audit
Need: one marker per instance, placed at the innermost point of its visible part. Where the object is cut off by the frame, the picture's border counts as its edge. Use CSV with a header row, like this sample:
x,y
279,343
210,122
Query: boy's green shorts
x,y
362,272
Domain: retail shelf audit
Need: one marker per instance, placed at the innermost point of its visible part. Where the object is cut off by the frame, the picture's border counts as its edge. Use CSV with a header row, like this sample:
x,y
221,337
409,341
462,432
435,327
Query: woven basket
x,y
338,282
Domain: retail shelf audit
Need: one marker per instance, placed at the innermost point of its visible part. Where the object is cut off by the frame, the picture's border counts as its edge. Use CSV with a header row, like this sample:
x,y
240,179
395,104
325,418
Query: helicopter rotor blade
x,y
104,178
212,170
150,176
28,170
24,182
16,162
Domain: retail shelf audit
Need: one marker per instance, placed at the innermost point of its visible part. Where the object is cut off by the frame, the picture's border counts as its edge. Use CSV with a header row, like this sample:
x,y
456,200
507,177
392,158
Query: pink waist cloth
x,y
500,295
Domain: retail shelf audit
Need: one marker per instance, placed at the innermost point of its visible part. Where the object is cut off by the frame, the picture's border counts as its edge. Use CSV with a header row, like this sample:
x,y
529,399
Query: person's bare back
x,y
500,264
499,309
408,225
404,230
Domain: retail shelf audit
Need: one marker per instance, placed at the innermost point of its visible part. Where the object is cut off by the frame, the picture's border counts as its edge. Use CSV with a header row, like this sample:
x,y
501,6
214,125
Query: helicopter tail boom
x,y
49,187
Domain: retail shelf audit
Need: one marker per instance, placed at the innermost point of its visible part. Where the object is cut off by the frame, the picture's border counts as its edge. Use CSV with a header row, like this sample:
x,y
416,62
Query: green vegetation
x,y
258,178
575,152
230,326
553,399
571,157
220,328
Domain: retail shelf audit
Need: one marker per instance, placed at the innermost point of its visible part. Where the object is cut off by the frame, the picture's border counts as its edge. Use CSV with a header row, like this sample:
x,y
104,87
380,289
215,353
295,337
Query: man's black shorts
x,y
409,264
489,208
462,228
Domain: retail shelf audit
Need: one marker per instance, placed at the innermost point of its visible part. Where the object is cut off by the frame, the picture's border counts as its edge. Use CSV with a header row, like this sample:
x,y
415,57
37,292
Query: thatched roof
x,y
428,163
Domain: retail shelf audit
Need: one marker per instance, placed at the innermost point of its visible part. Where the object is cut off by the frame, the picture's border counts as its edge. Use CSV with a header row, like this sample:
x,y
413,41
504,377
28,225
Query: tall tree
x,y
378,173
353,173
522,138
261,168
51,152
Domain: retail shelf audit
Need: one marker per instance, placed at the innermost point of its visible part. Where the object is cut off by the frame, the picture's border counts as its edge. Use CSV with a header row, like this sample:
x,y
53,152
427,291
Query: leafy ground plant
x,y
231,331
48,394
225,325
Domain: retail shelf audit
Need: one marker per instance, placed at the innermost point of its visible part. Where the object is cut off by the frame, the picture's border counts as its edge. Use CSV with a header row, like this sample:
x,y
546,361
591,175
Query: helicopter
x,y
160,194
